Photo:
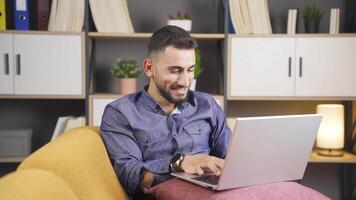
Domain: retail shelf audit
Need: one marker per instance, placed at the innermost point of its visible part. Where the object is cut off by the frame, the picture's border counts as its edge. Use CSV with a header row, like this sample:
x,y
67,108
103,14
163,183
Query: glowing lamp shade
x,y
331,131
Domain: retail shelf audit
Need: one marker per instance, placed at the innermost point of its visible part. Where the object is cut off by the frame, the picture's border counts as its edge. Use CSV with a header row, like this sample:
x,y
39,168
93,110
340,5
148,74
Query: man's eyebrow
x,y
179,67
174,67
191,66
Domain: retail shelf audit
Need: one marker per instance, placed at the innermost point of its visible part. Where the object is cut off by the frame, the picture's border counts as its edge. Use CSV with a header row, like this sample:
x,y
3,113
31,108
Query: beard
x,y
165,93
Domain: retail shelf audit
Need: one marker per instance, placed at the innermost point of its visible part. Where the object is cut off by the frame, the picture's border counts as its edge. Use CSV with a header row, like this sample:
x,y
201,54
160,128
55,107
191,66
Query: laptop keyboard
x,y
211,179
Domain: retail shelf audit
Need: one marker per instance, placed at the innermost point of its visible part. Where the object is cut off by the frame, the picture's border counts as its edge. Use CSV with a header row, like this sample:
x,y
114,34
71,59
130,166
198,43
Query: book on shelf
x,y
250,16
292,21
42,13
334,21
2,15
65,123
67,15
22,14
111,16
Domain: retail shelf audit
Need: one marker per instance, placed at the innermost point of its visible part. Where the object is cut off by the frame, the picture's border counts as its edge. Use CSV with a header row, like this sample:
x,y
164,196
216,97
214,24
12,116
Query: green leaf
x,y
126,68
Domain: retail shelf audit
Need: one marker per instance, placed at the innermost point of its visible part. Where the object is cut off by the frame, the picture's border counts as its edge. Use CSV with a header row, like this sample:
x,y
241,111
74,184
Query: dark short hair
x,y
170,35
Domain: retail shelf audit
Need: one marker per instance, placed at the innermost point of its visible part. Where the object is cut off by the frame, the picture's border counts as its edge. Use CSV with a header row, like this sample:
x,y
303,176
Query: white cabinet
x,y
42,64
310,67
97,106
328,66
260,65
6,73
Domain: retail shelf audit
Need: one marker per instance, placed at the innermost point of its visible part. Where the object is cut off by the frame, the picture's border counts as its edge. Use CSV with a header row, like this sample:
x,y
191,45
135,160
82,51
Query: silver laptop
x,y
264,150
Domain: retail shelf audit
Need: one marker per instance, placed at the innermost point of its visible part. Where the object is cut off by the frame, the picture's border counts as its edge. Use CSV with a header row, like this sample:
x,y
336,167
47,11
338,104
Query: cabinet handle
x,y
300,67
289,67
18,64
6,64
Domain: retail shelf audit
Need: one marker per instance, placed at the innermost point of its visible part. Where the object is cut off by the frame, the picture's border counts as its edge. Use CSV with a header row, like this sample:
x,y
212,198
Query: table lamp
x,y
330,139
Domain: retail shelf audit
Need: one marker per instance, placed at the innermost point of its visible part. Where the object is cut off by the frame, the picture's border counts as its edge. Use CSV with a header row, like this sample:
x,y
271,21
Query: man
x,y
166,127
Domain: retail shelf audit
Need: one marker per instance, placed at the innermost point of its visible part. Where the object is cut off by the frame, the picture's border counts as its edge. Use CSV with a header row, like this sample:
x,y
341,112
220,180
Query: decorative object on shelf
x,y
183,21
15,142
292,21
66,16
250,16
111,16
197,69
312,16
127,71
334,21
331,132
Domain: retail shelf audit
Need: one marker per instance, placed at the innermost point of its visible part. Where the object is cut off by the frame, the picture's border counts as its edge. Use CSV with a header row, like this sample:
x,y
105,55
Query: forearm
x,y
129,171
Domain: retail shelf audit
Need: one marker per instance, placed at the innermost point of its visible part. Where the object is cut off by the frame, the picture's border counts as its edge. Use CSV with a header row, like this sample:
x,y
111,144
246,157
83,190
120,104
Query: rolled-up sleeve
x,y
122,148
221,133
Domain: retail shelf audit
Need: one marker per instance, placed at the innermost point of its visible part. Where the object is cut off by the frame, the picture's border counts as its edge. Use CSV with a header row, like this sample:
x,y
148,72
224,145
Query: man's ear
x,y
147,67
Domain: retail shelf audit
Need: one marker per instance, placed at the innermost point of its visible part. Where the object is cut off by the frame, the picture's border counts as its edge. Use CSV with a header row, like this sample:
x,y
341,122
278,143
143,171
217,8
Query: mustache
x,y
177,86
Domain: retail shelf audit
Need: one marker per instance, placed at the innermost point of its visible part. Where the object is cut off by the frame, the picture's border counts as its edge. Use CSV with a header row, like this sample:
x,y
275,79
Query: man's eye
x,y
191,70
173,71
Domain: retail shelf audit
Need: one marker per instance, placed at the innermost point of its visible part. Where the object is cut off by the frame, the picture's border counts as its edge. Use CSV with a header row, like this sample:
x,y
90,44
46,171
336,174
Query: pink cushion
x,y
178,189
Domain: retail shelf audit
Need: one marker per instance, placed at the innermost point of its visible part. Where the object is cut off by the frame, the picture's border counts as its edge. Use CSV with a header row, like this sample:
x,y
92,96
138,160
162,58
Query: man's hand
x,y
198,164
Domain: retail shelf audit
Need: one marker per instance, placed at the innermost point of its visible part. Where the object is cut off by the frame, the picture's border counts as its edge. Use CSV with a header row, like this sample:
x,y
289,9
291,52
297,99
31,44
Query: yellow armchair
x,y
80,159
29,184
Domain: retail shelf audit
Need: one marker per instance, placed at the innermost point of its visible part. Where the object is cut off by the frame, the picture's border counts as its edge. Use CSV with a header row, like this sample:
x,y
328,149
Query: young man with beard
x,y
166,127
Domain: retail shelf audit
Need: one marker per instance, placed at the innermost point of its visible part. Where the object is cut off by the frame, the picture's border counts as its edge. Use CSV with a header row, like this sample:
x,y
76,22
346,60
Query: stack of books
x,y
65,123
67,15
111,16
250,16
334,21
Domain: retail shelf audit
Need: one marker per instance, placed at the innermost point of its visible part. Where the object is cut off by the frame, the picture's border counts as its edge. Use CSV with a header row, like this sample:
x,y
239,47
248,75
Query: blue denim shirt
x,y
138,133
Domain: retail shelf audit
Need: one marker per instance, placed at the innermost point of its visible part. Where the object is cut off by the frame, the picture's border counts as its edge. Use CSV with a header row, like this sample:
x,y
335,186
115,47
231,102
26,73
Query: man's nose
x,y
183,79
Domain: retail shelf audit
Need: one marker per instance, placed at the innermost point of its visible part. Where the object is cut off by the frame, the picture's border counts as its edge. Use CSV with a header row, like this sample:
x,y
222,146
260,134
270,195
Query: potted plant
x,y
127,70
197,69
180,20
312,16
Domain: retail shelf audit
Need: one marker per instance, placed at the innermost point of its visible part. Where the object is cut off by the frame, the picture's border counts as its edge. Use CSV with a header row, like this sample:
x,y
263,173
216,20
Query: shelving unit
x,y
347,158
199,36
96,38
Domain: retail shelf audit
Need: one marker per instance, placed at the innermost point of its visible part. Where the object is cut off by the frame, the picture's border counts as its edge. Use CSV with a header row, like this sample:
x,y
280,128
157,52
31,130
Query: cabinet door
x,y
98,107
328,67
48,64
261,67
6,64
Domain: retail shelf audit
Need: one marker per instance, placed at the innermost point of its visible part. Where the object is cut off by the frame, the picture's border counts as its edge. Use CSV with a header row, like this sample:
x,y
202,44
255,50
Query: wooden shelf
x,y
286,98
199,36
294,35
42,97
113,95
11,159
104,95
41,32
346,158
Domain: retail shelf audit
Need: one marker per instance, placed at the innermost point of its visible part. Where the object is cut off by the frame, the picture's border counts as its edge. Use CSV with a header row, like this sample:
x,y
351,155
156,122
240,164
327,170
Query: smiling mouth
x,y
177,89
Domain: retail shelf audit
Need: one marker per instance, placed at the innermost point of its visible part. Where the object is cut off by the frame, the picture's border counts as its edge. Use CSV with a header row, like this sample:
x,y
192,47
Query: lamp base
x,y
330,153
